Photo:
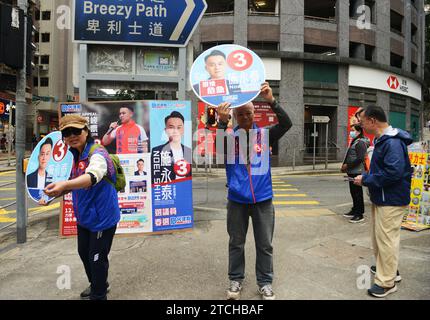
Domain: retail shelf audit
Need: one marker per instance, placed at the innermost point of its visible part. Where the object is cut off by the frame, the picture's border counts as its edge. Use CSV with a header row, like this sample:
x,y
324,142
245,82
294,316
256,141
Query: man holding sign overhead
x,y
250,191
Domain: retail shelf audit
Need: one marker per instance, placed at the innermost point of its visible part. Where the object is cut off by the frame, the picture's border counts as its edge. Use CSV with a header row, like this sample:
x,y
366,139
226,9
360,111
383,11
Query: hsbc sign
x,y
392,82
381,80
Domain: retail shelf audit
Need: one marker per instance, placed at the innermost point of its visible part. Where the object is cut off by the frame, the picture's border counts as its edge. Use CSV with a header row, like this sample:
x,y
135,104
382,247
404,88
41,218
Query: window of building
x,y
396,60
36,37
414,33
263,6
320,10
44,60
46,15
219,6
263,45
44,82
396,22
35,82
320,72
328,51
354,49
37,15
207,45
46,37
369,53
414,67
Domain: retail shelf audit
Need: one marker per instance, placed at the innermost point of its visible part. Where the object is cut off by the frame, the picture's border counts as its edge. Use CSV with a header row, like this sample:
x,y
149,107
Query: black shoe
x,y
349,214
398,276
85,295
357,219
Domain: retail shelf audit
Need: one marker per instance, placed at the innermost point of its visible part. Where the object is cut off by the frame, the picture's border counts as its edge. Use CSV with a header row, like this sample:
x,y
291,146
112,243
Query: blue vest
x,y
250,180
96,208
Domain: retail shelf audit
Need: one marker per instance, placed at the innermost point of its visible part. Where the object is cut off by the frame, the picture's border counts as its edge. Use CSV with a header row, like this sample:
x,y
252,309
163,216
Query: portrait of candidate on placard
x,y
50,162
227,73
174,157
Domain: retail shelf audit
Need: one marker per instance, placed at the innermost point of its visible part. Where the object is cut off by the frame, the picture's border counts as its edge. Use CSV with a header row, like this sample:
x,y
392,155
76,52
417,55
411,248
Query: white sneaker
x,y
233,292
267,292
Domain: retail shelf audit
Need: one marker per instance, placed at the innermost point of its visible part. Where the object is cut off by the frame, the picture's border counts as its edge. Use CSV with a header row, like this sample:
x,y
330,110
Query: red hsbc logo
x,y
392,82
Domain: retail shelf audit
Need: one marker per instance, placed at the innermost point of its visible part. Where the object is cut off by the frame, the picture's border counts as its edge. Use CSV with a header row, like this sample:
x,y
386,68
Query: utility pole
x,y
21,110
10,132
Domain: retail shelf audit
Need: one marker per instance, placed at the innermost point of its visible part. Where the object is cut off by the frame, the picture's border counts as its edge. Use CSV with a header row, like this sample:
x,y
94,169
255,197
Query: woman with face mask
x,y
354,165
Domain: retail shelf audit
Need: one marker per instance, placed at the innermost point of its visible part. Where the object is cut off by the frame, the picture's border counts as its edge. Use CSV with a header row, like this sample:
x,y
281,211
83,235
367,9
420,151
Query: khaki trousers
x,y
385,232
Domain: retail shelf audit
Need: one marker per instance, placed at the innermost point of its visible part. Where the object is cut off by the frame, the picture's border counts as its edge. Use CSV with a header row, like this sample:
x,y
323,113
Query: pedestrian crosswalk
x,y
286,195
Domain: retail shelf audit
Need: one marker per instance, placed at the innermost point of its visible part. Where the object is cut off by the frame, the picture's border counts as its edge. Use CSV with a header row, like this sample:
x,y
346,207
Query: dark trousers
x,y
263,223
94,248
357,197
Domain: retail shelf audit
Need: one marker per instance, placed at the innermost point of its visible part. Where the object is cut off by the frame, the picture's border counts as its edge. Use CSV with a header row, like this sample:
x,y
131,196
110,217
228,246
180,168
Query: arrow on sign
x,y
183,20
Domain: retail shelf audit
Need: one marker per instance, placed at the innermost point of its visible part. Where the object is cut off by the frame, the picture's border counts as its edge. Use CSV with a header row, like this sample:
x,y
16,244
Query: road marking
x,y
303,212
283,185
35,210
296,202
7,181
278,182
7,189
7,199
291,195
7,173
5,219
277,189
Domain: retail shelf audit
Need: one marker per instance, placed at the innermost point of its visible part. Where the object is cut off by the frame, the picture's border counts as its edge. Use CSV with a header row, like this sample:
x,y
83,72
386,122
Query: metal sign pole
x,y
21,109
326,146
315,139
10,133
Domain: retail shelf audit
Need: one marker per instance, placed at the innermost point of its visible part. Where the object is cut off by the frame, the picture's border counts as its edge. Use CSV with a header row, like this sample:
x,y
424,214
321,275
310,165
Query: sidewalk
x,y
314,258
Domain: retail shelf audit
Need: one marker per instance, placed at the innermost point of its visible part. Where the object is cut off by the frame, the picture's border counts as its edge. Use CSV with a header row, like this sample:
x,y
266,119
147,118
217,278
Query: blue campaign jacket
x,y
389,177
250,181
96,208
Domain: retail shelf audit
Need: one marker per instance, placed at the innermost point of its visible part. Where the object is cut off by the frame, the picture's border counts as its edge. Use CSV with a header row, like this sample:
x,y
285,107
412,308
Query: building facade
x,y
334,56
53,72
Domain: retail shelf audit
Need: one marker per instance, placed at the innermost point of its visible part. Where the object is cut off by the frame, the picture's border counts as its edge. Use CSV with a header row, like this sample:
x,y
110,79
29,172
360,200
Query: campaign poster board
x,y
51,161
418,216
131,129
227,73
353,120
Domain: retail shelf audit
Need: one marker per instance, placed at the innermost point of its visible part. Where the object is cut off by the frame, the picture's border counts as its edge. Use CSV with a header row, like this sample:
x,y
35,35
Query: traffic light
x,y
211,116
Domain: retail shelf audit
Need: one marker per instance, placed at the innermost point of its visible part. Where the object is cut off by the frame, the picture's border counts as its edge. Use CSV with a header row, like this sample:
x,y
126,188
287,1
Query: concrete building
x,y
334,57
53,73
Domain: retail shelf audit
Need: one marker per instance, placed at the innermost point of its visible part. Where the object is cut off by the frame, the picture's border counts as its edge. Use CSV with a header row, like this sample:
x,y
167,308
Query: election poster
x,y
124,128
171,160
418,216
352,119
50,161
227,73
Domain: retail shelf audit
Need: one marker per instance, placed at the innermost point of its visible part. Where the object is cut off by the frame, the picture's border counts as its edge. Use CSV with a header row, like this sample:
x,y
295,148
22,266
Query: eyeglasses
x,y
69,131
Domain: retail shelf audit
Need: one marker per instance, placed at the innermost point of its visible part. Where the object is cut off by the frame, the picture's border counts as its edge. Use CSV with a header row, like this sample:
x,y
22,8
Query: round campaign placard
x,y
227,73
51,161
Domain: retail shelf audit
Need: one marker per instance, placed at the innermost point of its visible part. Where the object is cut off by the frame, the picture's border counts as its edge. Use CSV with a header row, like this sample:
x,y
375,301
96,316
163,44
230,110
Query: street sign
x,y
320,119
137,22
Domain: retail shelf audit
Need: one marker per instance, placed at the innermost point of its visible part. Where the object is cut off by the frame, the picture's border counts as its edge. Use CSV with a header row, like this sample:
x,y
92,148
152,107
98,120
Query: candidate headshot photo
x,y
129,136
215,66
173,150
39,178
140,168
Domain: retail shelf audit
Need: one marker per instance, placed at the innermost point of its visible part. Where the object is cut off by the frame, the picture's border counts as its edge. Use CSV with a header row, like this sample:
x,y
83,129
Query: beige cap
x,y
73,121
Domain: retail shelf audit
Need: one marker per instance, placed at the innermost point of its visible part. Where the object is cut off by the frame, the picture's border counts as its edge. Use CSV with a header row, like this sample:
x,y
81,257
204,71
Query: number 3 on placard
x,y
239,60
60,151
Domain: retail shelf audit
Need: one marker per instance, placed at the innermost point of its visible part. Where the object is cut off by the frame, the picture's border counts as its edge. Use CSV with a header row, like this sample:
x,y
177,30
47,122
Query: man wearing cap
x,y
95,202
130,137
172,160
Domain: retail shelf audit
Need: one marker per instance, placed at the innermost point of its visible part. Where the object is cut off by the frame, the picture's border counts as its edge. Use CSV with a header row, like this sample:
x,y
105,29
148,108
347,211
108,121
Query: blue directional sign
x,y
137,22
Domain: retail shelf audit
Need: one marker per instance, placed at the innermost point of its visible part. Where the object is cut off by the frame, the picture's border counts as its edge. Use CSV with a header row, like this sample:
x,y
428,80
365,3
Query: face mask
x,y
353,134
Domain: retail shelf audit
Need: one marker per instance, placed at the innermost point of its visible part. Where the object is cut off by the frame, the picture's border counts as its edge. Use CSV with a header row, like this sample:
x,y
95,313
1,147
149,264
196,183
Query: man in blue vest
x,y
250,191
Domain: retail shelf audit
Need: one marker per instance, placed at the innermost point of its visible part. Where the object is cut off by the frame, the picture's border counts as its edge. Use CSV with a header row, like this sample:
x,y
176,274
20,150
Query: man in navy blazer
x,y
41,173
